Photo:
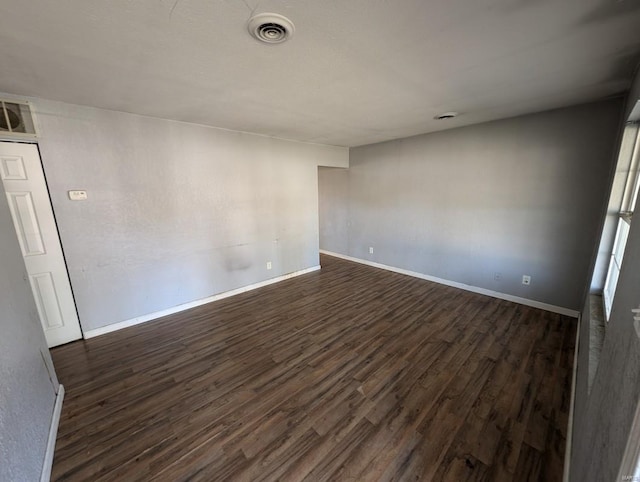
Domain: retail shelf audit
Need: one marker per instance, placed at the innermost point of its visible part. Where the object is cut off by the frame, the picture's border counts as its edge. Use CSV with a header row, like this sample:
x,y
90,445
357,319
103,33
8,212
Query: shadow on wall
x,y
608,11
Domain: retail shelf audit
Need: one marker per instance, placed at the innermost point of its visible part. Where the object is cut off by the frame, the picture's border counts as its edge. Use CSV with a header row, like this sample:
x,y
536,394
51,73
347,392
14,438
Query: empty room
x,y
272,240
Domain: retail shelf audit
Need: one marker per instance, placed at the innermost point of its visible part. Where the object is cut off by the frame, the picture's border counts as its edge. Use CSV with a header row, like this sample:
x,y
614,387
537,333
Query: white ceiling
x,y
355,72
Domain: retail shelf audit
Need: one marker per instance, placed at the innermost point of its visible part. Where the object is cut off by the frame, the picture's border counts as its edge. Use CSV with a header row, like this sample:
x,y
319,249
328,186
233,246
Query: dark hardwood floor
x,y
349,373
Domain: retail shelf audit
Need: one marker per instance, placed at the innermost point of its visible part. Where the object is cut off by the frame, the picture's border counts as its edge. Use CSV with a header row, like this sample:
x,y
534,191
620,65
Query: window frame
x,y
625,216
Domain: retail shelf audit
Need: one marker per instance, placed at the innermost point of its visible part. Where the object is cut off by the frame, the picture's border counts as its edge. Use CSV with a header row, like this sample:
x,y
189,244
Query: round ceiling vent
x,y
270,28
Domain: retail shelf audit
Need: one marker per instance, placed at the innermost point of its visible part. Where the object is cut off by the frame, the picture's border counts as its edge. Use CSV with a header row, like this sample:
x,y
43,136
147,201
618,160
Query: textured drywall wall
x,y
27,393
603,418
175,212
514,197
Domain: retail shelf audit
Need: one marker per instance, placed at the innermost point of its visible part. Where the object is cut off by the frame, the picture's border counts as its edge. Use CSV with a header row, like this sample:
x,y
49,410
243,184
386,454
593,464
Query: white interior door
x,y
35,226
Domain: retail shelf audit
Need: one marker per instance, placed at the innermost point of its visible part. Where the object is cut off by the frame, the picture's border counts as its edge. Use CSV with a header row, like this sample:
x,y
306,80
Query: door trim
x,y
47,464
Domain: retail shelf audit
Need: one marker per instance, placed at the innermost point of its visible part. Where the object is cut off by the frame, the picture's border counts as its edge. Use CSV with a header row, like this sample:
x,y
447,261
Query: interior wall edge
x,y
53,434
572,403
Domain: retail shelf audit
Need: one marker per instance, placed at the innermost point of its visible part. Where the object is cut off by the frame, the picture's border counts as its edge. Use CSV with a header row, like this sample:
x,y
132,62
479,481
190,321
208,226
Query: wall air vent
x,y
16,119
270,28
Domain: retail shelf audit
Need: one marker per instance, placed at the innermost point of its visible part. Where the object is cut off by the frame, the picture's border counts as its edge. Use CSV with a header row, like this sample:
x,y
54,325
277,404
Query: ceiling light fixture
x,y
446,115
270,28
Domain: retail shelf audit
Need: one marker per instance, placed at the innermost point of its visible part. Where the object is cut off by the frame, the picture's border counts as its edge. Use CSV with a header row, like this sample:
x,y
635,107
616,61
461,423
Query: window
x,y
625,214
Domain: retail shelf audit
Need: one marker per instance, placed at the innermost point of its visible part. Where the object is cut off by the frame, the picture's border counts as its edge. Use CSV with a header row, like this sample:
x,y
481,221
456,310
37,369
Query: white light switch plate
x,y
78,195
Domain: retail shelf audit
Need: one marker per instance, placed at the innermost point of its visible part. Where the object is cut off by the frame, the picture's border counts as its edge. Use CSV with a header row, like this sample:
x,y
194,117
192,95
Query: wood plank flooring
x,y
349,373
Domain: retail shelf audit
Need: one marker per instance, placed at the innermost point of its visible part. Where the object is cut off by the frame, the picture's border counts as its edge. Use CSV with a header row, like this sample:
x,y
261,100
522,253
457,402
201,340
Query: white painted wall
x,y
176,212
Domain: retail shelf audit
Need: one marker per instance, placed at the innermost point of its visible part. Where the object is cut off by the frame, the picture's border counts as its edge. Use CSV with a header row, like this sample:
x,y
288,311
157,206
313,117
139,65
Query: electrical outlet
x,y
268,264
370,249
497,276
526,279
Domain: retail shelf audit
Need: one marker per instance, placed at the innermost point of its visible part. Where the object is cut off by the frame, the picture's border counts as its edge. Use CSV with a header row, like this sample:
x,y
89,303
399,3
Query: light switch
x,y
78,195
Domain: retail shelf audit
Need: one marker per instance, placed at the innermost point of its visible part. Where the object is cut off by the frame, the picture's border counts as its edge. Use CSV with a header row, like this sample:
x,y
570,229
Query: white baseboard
x,y
569,445
45,476
192,304
494,294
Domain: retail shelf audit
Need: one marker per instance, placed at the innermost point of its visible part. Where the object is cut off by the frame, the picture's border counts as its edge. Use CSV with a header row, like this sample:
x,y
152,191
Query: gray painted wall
x,y
632,108
27,393
175,212
602,419
517,196
333,193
